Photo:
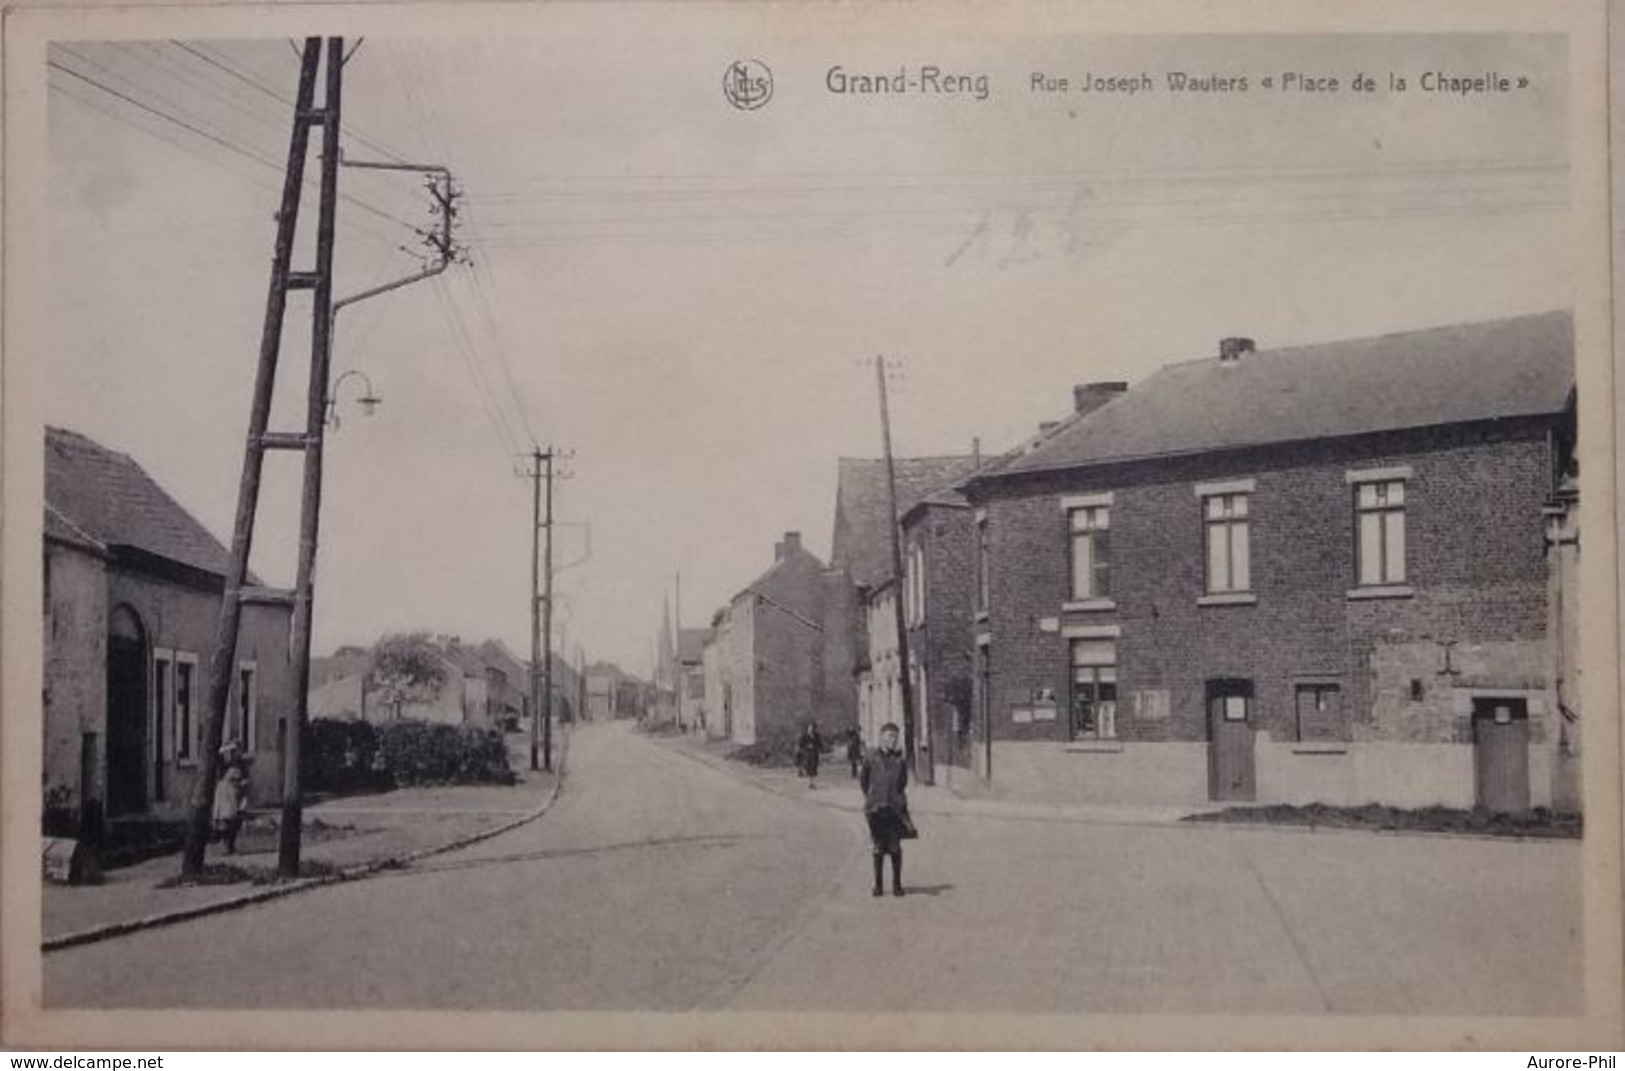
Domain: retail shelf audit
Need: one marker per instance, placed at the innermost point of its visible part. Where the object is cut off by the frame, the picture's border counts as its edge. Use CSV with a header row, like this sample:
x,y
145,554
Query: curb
x,y
737,772
766,785
355,872
1186,821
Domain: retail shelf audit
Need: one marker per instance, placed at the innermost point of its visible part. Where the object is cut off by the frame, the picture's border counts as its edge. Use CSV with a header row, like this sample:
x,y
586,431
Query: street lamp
x,y
369,401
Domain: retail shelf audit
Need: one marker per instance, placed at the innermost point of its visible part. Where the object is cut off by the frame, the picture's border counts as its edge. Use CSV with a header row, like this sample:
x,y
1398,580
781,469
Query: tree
x,y
406,667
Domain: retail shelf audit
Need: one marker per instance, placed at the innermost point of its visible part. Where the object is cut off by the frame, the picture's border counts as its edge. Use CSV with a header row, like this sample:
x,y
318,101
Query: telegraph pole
x,y
547,621
542,475
904,678
236,592
222,659
535,603
321,361
677,644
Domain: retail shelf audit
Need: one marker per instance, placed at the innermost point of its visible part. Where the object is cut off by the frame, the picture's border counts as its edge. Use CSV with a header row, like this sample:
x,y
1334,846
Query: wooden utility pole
x,y
321,362
223,655
236,593
677,648
547,619
535,605
904,681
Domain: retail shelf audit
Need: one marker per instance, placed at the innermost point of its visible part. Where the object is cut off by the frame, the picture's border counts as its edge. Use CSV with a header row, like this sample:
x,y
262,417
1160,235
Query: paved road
x,y
660,883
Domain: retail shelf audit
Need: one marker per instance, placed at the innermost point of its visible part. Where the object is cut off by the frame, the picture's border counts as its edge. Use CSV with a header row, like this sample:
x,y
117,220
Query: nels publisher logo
x,y
747,84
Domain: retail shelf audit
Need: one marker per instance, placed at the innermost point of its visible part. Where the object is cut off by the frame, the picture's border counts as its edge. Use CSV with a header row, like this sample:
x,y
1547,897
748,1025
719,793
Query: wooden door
x,y
1501,754
1231,773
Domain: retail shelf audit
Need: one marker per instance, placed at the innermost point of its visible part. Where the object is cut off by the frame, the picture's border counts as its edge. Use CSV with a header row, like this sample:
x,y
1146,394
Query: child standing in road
x,y
884,779
230,796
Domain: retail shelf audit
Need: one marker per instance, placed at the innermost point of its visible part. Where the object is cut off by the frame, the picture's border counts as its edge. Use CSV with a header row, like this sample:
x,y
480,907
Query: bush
x,y
351,756
419,753
341,756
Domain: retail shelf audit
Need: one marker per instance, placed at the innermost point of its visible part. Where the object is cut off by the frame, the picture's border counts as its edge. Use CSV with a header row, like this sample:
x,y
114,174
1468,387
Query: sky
x,y
685,294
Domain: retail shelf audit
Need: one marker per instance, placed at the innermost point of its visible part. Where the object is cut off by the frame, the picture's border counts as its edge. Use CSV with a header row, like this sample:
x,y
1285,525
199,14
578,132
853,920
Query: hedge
x,y
348,756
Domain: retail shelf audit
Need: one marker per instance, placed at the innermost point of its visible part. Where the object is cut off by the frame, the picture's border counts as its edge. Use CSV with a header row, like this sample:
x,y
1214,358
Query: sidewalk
x,y
838,789
344,839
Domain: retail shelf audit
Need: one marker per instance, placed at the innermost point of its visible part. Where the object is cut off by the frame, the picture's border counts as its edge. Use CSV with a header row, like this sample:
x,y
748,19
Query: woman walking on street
x,y
808,750
854,751
884,779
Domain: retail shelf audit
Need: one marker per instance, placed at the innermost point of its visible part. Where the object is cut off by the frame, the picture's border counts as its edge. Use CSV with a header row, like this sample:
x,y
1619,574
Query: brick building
x,y
938,545
861,550
939,575
768,667
132,595
1318,573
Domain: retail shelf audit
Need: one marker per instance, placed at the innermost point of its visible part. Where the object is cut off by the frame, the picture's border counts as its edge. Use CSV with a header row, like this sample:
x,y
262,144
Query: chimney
x,y
1231,349
791,545
1087,397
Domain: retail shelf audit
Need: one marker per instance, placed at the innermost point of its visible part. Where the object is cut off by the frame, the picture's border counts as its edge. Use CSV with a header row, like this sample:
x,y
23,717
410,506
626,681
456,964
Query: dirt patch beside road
x,y
1539,823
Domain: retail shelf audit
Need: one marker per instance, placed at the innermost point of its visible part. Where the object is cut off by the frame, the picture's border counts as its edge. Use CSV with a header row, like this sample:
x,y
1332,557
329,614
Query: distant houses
x,y
484,683
132,593
611,693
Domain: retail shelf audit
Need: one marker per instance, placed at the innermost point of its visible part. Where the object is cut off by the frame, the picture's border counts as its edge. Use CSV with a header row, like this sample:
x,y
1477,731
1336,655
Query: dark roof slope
x,y
496,653
105,496
788,581
1521,366
862,538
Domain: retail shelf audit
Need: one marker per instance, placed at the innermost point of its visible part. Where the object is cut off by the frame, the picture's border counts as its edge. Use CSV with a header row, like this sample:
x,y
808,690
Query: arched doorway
x,y
126,713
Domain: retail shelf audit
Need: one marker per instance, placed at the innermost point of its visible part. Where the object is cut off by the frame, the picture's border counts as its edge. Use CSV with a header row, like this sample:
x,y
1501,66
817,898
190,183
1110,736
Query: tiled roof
x,y
1521,366
104,496
465,659
496,653
784,580
862,539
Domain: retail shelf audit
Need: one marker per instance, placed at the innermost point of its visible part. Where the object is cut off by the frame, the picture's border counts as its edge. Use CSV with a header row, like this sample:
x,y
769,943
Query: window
x,y
184,717
916,585
1091,552
1228,700
984,565
163,701
244,726
163,747
1225,524
1319,713
1379,511
1094,689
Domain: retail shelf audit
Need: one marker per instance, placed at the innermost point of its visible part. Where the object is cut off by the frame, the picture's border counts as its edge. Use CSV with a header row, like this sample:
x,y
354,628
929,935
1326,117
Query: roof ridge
x,y
1383,336
1434,376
